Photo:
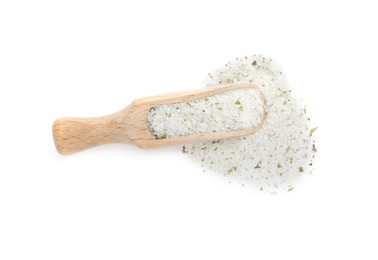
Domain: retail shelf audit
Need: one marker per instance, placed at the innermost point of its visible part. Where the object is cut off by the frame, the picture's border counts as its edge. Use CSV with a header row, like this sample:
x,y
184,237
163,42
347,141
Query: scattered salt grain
x,y
232,110
280,152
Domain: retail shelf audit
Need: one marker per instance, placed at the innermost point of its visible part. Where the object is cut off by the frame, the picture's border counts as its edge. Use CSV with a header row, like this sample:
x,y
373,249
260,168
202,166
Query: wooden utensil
x,y
129,125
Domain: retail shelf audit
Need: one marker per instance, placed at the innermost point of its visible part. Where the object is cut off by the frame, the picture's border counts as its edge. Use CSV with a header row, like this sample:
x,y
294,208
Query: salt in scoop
x,y
131,125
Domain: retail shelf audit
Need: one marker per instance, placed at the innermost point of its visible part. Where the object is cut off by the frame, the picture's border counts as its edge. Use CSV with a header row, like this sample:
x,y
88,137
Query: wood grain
x,y
129,125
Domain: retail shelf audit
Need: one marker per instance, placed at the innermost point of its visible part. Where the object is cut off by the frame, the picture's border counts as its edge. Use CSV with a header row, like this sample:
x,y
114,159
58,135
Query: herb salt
x,y
232,110
274,157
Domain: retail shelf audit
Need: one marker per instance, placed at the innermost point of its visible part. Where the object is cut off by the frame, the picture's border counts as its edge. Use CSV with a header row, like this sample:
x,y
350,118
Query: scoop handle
x,y
73,135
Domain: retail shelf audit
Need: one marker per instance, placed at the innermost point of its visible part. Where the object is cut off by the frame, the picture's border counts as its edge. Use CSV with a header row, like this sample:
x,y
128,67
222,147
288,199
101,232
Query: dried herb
x,y
231,170
313,130
258,165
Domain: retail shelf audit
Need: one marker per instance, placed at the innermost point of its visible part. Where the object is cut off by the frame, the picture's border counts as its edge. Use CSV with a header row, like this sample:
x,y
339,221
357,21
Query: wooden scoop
x,y
129,125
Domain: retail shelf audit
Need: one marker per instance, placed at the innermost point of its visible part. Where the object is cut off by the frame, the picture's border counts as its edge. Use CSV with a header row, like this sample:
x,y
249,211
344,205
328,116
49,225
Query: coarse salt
x,y
232,110
280,152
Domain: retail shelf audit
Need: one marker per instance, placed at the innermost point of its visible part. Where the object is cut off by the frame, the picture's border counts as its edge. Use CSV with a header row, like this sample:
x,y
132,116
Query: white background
x,y
89,58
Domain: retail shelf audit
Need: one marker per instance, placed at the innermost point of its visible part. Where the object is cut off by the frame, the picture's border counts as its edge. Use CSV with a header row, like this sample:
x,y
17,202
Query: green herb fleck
x,y
313,130
279,165
162,137
258,166
314,148
237,102
290,189
300,169
254,63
